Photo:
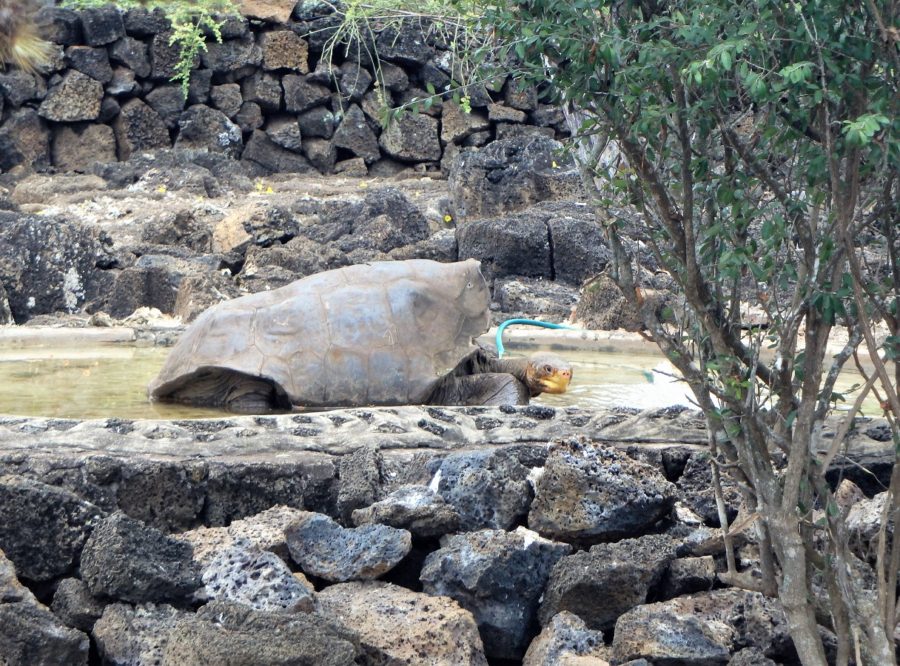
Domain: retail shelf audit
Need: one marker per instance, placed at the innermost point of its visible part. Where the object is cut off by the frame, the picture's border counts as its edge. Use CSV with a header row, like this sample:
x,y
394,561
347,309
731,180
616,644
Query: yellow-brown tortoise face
x,y
548,373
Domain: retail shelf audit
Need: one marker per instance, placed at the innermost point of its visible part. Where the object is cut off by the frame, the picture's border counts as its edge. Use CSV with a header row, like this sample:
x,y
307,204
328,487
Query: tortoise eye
x,y
469,285
548,369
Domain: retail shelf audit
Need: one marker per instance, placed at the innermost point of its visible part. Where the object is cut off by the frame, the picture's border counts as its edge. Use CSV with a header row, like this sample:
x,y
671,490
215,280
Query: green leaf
x,y
726,60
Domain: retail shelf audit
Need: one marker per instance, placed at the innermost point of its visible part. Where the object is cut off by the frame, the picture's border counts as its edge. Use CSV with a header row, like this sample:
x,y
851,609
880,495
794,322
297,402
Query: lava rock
x,y
504,114
208,129
11,590
168,102
284,49
75,606
393,77
18,87
90,61
590,493
457,125
325,549
603,307
166,497
361,479
249,117
695,489
164,57
199,86
257,578
25,141
498,576
272,11
231,55
579,251
137,128
143,22
702,628
320,153
127,634
79,147
515,245
412,137
398,626
153,281
864,525
102,25
59,25
30,634
123,84
43,528
354,81
132,53
264,89
386,220
129,561
355,135
688,575
285,132
565,640
530,297
300,94
264,530
227,633
317,122
507,176
488,488
415,508
261,150
601,584
227,98
76,97
48,264
404,45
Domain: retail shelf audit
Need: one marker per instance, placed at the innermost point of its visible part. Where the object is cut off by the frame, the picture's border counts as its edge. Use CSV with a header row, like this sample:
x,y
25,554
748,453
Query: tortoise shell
x,y
372,334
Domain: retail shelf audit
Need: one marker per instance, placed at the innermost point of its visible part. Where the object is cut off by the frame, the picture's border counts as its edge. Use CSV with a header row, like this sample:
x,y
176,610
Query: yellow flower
x,y
448,219
162,189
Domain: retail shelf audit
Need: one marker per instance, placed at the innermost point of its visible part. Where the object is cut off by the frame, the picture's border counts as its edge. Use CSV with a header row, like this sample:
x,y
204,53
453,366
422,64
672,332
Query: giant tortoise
x,y
384,333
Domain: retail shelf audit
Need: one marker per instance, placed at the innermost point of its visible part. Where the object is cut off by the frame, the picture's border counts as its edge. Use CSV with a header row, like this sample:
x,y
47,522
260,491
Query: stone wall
x,y
266,95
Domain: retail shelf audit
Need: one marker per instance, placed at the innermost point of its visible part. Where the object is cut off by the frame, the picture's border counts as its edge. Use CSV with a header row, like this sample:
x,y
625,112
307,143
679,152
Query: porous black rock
x,y
498,576
128,561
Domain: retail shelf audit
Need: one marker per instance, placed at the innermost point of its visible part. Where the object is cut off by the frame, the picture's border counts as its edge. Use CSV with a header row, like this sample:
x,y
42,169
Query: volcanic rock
x,y
498,576
397,626
590,493
129,561
325,549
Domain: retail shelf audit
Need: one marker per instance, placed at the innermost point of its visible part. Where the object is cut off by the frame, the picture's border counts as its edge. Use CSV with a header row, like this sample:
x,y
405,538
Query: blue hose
x,y
528,322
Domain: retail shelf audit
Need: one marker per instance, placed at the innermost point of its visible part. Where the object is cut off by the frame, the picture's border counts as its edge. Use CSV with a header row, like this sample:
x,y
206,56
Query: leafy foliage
x,y
356,36
753,147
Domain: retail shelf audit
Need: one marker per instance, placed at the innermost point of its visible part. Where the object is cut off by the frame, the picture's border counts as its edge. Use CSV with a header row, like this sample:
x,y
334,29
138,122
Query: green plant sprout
x,y
192,23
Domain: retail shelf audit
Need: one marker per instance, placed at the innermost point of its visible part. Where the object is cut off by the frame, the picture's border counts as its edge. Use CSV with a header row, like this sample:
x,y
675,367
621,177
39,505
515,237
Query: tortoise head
x,y
547,373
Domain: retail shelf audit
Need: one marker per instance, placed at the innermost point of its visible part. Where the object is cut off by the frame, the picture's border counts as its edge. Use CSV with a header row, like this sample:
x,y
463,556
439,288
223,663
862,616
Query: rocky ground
x,y
389,536
368,536
179,231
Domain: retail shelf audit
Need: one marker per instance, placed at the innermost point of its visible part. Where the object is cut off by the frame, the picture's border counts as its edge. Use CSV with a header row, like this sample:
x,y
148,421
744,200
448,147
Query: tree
x,y
752,146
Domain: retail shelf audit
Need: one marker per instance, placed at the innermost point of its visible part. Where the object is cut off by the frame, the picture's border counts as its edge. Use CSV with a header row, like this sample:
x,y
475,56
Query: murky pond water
x,y
110,380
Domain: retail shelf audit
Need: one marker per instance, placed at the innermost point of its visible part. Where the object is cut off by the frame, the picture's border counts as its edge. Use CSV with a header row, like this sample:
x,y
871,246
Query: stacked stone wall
x,y
272,94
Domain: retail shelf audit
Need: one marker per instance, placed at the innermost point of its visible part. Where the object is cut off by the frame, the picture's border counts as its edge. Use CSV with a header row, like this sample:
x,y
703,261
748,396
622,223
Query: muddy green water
x,y
110,380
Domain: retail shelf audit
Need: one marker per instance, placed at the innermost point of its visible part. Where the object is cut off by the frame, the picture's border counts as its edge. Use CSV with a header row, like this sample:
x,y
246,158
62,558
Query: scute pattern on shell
x,y
370,334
